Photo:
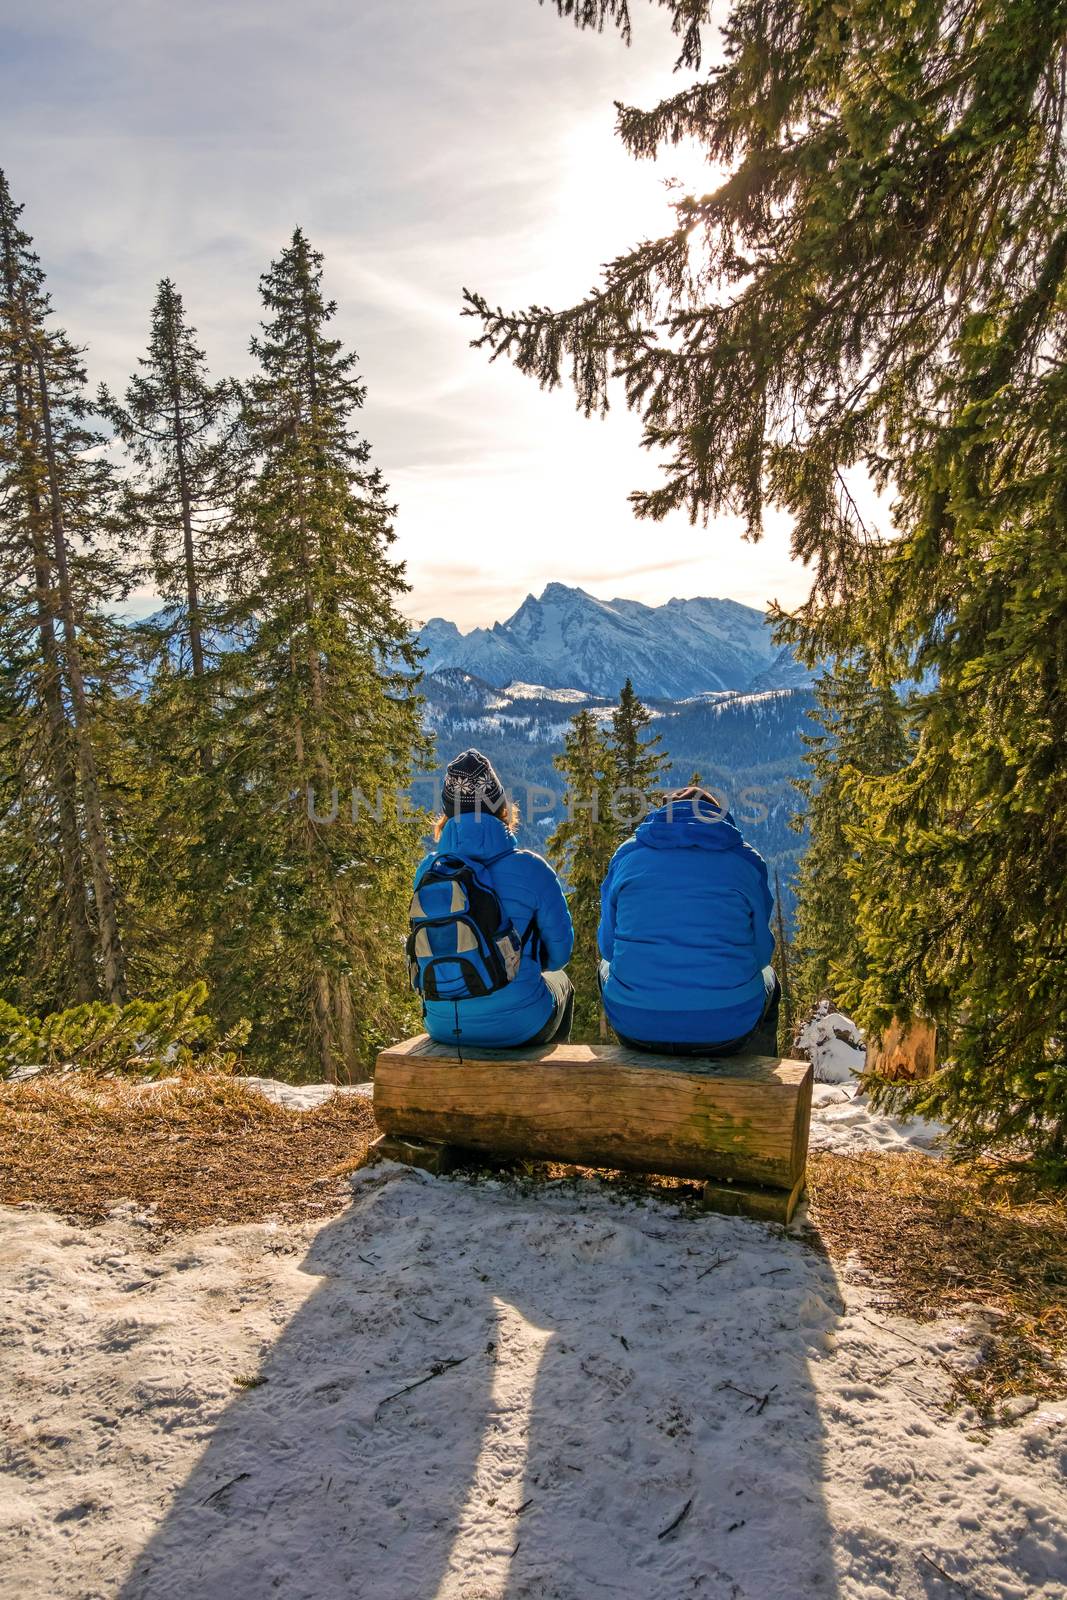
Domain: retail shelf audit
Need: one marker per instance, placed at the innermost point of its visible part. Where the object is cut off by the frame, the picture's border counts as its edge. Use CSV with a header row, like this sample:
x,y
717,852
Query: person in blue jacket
x,y
685,935
536,1007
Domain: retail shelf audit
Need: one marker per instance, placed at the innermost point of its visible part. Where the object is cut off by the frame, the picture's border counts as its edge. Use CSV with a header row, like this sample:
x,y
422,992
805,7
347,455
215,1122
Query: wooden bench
x,y
740,1124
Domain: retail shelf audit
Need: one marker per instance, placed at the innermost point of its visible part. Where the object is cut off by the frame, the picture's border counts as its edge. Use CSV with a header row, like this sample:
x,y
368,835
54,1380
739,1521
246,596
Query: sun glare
x,y
607,202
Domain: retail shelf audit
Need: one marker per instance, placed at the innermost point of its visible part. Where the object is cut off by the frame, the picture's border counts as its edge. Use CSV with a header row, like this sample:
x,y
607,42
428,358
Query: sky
x,y
423,146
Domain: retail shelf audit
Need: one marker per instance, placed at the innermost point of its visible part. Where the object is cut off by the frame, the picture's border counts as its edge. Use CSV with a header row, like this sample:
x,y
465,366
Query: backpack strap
x,y
531,926
532,935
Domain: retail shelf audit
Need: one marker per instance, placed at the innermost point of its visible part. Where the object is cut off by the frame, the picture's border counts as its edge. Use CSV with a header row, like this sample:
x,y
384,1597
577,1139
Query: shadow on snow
x,y
600,1353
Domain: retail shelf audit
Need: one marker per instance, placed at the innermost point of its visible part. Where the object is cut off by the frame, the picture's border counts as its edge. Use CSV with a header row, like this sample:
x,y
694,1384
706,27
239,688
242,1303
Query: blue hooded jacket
x,y
685,925
525,885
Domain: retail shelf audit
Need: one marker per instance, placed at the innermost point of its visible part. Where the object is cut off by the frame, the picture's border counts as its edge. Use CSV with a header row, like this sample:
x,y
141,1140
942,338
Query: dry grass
x,y
201,1151
939,1236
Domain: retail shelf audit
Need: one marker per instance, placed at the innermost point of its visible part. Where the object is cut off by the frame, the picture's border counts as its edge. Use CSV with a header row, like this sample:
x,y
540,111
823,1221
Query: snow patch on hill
x,y
538,691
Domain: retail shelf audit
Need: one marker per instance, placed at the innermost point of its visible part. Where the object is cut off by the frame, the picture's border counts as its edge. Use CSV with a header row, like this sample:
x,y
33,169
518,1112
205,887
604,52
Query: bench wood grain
x,y
742,1119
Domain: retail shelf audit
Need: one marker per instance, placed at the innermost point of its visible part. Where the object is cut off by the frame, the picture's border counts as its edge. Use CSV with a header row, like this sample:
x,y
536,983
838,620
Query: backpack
x,y
461,945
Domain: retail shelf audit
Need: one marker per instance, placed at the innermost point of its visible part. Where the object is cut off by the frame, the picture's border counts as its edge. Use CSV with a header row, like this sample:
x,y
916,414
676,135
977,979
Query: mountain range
x,y
568,639
746,746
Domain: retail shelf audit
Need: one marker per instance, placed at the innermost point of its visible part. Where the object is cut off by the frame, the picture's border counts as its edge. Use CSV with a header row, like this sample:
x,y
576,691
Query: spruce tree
x,y
309,888
580,849
39,755
180,430
874,283
863,733
56,500
640,766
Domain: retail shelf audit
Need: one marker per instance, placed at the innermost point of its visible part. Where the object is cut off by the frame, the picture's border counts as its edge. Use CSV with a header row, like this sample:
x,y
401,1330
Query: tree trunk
x,y
322,1011
346,1030
113,957
192,594
64,779
782,943
60,754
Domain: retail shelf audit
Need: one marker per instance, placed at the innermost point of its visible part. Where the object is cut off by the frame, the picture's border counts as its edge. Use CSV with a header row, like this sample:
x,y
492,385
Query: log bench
x,y
740,1123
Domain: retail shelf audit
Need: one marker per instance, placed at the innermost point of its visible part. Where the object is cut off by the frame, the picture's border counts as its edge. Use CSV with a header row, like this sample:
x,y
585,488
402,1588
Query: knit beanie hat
x,y
472,785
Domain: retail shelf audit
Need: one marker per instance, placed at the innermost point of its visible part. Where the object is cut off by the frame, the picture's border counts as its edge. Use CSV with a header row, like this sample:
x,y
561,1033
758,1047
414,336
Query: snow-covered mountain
x,y
747,746
569,639
785,672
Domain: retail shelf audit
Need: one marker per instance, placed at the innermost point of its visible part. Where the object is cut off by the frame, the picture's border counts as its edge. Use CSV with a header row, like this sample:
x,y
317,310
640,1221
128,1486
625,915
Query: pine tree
x,y
863,733
874,283
783,966
56,494
180,430
640,765
39,756
580,848
78,492
318,700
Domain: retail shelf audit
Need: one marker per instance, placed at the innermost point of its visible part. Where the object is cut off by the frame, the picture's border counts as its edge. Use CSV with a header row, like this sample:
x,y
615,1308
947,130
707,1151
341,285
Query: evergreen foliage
x,y
613,779
215,796
863,733
180,431
641,767
183,443
580,849
318,704
57,496
145,1038
877,285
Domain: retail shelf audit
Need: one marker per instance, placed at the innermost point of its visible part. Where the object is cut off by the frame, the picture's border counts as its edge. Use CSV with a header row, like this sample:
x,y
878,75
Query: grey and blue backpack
x,y
461,945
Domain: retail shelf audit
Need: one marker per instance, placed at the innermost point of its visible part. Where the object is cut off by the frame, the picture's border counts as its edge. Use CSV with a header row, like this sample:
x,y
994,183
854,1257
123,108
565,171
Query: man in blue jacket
x,y
536,1006
685,935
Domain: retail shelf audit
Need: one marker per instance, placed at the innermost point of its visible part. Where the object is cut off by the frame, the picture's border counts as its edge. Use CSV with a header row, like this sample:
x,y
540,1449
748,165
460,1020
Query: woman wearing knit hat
x,y
534,999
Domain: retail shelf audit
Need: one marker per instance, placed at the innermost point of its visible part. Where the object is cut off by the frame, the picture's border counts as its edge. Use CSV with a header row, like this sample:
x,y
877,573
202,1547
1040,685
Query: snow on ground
x,y
303,1096
842,1120
843,1123
472,1392
833,1044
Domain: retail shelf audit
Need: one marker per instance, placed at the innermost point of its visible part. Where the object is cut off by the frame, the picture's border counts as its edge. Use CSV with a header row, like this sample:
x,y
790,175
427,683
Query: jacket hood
x,y
477,837
690,825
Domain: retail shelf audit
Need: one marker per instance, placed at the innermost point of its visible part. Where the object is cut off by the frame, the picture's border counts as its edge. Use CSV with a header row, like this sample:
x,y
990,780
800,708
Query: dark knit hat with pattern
x,y
472,785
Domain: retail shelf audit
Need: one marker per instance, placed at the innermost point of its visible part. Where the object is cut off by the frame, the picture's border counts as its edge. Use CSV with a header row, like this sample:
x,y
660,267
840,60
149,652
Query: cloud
x,y
423,147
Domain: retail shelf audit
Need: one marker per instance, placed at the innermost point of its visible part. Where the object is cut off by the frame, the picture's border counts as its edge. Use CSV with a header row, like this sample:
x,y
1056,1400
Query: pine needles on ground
x,y
940,1237
197,1152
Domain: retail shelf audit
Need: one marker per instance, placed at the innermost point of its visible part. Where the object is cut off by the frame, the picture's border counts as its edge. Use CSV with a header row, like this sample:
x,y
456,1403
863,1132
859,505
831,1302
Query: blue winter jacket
x,y
526,886
685,925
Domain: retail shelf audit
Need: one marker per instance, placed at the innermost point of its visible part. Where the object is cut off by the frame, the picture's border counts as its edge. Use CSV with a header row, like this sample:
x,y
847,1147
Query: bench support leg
x,y
436,1158
747,1200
